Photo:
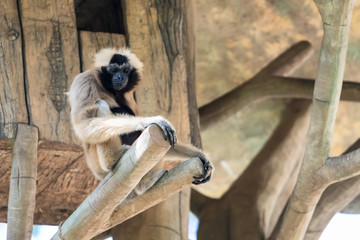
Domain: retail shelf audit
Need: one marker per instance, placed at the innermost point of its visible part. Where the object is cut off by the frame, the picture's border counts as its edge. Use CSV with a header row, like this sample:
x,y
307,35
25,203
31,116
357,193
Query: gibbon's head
x,y
119,69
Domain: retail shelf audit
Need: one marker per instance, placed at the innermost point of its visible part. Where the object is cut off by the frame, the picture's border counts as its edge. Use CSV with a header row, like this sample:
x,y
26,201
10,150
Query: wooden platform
x,y
63,180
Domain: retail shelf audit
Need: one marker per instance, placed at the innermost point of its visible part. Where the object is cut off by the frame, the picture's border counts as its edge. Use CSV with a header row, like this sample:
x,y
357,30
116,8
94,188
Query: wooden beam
x,y
62,176
51,62
22,183
228,104
92,42
288,61
270,87
155,31
12,93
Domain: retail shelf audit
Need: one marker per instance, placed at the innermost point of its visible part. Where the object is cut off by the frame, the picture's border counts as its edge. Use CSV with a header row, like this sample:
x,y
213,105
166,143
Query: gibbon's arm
x,y
101,129
183,151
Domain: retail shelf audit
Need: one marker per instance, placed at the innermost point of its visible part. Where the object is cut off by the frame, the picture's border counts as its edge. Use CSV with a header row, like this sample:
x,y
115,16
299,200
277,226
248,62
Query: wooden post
x,y
155,32
12,93
51,62
22,183
92,42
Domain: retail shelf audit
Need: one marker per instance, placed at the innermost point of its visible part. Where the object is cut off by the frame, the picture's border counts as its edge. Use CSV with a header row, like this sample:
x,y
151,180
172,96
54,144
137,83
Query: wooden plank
x,y
92,42
5,156
155,35
23,183
66,184
66,180
51,62
12,94
62,177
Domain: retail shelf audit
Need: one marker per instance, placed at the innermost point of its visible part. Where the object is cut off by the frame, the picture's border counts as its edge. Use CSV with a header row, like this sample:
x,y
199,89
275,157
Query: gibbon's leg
x,y
100,161
149,180
183,151
109,152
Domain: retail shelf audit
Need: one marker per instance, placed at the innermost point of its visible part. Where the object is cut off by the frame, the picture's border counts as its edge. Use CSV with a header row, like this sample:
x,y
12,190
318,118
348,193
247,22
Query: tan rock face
x,y
235,39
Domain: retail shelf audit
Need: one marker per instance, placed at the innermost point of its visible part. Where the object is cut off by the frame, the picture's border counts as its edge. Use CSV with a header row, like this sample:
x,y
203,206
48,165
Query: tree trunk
x,y
333,200
318,170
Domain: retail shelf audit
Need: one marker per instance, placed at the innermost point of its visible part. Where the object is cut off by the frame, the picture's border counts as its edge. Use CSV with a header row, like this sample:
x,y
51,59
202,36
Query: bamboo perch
x,y
95,214
22,183
227,105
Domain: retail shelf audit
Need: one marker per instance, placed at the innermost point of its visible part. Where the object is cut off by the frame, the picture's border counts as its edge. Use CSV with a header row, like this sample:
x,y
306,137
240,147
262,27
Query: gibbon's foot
x,y
208,169
168,130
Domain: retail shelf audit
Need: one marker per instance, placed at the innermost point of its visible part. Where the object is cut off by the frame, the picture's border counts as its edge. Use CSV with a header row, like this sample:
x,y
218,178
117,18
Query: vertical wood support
x,y
12,93
22,183
92,42
155,32
51,62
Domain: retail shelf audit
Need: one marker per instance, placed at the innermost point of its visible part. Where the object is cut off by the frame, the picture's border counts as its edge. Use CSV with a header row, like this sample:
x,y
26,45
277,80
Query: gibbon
x,y
106,119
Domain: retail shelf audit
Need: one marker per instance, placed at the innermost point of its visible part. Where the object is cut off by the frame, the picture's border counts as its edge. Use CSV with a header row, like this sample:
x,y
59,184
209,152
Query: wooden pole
x,y
172,182
278,87
22,183
90,218
157,32
228,104
111,203
334,199
12,98
318,170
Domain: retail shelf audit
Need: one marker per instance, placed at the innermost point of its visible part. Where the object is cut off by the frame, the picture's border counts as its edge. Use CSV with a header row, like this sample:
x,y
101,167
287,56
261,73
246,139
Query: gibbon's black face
x,y
119,76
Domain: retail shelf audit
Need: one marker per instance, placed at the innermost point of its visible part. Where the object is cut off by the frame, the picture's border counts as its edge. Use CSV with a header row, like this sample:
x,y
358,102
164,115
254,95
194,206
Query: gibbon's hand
x,y
208,169
168,130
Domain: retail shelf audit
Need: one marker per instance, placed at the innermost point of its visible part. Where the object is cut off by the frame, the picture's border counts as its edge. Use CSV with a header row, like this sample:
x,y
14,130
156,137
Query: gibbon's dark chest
x,y
129,138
